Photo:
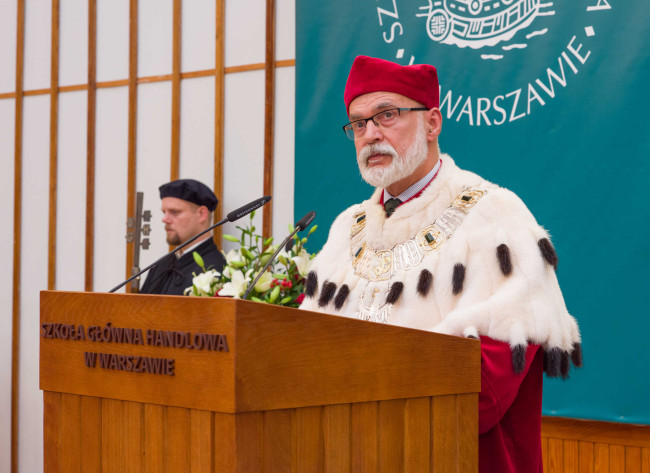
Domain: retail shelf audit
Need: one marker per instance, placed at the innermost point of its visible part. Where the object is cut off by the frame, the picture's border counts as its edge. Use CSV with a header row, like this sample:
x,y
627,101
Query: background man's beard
x,y
400,167
173,239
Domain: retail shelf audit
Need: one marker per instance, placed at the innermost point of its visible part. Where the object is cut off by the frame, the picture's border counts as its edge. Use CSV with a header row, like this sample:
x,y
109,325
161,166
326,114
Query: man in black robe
x,y
187,207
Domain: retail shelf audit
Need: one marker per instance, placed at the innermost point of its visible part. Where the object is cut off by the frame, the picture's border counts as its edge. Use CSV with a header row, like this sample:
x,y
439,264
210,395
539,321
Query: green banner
x,y
546,97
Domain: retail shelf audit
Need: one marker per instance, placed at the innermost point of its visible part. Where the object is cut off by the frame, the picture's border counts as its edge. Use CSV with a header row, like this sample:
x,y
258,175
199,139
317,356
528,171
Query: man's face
x,y
388,155
182,220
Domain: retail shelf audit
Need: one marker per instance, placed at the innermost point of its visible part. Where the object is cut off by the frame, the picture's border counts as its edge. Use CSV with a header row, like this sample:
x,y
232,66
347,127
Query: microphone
x,y
248,208
231,217
301,225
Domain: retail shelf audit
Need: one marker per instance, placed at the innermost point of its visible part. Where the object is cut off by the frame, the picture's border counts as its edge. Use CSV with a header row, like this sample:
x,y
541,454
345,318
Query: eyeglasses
x,y
384,119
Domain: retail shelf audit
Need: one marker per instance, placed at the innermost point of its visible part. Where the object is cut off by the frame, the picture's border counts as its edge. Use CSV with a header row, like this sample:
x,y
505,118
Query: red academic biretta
x,y
369,74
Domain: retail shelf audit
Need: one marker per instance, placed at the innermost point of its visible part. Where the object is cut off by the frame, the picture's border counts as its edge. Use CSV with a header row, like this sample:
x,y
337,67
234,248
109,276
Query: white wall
x,y
243,149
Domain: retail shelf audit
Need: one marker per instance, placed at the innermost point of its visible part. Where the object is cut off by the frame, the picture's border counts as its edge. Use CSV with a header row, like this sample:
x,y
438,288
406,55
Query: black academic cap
x,y
190,190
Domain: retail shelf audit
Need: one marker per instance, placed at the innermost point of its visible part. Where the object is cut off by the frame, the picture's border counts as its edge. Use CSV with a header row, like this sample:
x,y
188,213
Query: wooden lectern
x,y
149,383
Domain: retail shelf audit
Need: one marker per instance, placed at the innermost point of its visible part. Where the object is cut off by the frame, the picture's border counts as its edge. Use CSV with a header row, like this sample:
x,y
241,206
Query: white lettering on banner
x,y
483,24
601,5
492,112
394,25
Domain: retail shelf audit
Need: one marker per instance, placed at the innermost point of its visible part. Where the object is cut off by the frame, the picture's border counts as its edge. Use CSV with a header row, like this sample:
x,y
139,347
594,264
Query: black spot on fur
x,y
564,367
472,336
552,362
519,358
311,284
326,293
458,278
425,282
548,252
503,255
341,296
394,293
576,354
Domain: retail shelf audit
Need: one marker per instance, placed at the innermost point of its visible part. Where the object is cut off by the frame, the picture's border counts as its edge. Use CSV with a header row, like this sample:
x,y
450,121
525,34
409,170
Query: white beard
x,y
400,166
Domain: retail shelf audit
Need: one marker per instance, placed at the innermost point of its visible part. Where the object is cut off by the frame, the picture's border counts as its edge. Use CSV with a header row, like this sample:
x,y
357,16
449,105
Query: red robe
x,y
510,410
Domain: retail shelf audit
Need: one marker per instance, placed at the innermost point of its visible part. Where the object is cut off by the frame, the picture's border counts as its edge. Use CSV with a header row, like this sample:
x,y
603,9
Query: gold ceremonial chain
x,y
380,265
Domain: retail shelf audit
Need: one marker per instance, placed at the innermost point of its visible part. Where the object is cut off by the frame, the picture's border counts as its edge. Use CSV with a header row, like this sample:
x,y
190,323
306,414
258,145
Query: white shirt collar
x,y
189,248
415,188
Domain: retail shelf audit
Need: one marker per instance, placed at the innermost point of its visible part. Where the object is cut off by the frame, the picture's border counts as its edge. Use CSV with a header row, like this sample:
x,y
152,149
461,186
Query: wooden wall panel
x,y
91,439
71,421
269,116
579,446
307,432
201,441
219,104
133,444
444,421
336,438
417,434
363,443
176,91
154,434
249,430
391,435
132,140
90,144
177,440
18,160
54,115
51,429
110,435
276,441
113,443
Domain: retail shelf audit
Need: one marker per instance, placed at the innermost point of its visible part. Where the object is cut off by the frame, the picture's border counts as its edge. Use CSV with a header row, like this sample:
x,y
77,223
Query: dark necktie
x,y
390,205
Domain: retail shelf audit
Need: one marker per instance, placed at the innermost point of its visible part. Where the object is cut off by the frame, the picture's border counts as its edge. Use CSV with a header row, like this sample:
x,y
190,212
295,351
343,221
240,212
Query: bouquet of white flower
x,y
281,284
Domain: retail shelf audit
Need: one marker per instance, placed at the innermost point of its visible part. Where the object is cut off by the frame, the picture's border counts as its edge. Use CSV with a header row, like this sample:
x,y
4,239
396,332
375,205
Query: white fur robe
x,y
510,294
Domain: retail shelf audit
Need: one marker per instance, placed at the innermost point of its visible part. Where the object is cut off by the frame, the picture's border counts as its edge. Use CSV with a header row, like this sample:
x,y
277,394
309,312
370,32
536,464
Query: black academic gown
x,y
173,275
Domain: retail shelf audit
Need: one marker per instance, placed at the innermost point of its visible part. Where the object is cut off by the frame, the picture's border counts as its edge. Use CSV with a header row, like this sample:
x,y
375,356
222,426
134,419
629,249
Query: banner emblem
x,y
480,23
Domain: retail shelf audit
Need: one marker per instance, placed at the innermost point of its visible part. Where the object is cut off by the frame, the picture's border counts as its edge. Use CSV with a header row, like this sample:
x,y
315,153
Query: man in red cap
x,y
439,248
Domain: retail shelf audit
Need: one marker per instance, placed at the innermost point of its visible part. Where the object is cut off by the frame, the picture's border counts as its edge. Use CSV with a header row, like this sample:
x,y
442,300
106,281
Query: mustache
x,y
377,148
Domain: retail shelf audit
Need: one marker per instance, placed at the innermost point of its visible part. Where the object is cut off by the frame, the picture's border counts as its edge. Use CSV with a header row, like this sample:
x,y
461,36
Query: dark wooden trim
x,y
18,165
596,431
90,144
132,140
150,79
219,81
176,90
194,74
30,93
73,88
54,125
269,116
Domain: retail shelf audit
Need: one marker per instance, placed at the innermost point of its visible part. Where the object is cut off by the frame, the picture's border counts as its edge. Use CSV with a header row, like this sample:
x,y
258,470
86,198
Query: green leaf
x,y
285,300
268,241
231,238
256,299
247,253
274,294
199,260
